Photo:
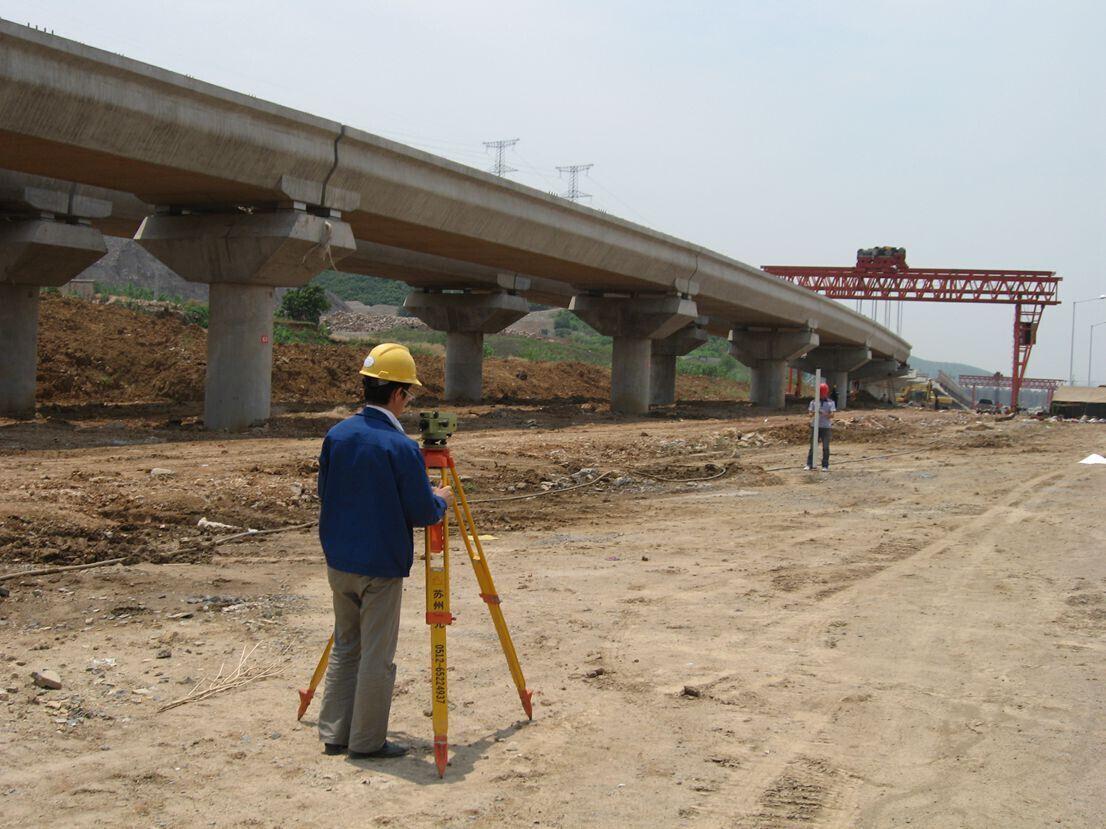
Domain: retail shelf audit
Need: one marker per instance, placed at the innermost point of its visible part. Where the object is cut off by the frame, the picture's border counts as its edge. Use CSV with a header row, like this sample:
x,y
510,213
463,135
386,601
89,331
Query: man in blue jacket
x,y
373,489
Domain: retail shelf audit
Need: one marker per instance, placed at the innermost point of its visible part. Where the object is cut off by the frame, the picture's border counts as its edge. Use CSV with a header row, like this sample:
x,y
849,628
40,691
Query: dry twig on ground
x,y
49,571
243,674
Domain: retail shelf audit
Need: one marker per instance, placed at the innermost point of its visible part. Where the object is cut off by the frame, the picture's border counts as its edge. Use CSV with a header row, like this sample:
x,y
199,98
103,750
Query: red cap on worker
x,y
824,390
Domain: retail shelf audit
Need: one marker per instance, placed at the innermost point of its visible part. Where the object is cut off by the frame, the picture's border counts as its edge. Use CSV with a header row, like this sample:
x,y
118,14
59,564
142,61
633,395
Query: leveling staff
x,y
373,490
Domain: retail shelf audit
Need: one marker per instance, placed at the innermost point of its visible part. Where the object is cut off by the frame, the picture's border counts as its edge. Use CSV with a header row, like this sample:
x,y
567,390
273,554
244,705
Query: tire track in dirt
x,y
796,785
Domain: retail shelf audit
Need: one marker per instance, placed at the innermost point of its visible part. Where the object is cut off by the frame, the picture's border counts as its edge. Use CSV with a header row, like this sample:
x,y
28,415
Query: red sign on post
x,y
264,339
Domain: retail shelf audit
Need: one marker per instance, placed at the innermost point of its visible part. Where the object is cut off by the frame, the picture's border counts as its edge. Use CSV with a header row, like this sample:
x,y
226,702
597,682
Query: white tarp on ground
x,y
1093,459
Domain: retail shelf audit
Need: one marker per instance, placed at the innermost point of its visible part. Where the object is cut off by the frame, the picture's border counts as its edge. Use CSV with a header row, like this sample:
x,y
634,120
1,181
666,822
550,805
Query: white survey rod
x,y
814,422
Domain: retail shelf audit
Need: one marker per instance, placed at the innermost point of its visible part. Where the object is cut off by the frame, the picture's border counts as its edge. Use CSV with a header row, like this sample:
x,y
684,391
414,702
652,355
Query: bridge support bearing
x,y
767,353
836,362
34,253
243,256
633,322
662,377
466,318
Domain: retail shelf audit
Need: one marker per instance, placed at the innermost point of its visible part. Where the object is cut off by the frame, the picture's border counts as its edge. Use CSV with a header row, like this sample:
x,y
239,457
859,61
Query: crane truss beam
x,y
890,278
926,284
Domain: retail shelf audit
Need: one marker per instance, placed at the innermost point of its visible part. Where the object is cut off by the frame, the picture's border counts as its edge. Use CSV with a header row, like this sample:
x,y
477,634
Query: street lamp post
x,y
1071,360
1090,351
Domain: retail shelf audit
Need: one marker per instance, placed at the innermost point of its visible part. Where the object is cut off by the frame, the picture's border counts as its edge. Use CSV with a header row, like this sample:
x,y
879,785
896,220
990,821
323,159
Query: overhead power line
x,y
573,193
500,167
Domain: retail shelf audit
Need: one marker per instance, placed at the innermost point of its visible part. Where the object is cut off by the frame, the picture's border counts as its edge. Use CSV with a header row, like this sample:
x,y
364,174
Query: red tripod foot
x,y
527,698
441,754
305,700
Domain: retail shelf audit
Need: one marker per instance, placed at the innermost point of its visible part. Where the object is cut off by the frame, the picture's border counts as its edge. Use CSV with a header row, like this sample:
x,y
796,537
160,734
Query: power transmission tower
x,y
500,167
573,193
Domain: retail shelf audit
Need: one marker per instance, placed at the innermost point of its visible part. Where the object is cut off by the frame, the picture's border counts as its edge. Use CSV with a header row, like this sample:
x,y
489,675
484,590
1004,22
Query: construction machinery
x,y
925,392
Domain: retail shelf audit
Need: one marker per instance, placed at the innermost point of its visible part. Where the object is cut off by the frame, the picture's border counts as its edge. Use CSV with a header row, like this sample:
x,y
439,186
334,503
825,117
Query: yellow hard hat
x,y
391,362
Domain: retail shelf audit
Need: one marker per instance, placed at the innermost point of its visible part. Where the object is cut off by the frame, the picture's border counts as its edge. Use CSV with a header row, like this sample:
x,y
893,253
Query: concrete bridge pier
x,y
18,349
35,252
633,322
662,378
466,317
767,353
836,362
243,256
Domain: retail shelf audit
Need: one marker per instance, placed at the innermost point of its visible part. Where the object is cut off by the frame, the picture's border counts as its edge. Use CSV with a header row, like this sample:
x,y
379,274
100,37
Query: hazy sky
x,y
972,133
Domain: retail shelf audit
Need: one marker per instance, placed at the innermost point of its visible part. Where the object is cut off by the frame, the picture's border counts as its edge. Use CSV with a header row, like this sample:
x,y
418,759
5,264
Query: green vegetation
x,y
131,291
304,304
197,313
370,290
287,335
713,359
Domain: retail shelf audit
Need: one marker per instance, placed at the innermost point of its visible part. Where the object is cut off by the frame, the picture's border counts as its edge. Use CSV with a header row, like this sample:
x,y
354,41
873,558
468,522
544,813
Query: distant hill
x,y
929,368
369,290
127,264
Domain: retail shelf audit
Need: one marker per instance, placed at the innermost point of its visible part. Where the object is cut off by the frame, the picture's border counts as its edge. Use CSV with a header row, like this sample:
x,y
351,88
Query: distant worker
x,y
833,396
825,408
373,489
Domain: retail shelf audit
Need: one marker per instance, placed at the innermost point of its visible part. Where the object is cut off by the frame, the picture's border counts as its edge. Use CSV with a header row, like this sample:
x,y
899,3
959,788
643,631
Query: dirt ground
x,y
914,639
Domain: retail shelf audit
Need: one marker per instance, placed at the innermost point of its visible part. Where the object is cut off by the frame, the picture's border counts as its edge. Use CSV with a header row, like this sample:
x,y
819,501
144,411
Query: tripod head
x,y
437,428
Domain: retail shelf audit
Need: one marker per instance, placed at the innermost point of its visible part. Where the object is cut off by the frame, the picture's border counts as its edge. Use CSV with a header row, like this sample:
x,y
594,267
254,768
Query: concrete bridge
x,y
246,195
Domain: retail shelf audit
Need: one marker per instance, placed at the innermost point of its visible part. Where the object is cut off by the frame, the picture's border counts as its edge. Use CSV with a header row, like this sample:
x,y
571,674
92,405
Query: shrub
x,y
304,304
197,314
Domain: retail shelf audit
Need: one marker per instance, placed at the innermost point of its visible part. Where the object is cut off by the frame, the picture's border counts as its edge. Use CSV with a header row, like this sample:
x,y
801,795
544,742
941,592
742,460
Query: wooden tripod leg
x,y
320,669
438,617
487,587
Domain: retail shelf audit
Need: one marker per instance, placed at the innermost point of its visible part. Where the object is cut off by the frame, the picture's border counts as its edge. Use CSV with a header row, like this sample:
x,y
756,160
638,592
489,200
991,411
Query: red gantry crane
x,y
882,273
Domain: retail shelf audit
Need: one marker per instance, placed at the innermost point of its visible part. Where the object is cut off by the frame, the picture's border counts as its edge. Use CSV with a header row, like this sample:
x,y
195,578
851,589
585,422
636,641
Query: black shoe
x,y
332,749
387,751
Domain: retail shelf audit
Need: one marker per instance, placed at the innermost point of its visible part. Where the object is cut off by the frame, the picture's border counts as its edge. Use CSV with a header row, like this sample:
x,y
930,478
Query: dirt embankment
x,y
109,504
92,354
95,354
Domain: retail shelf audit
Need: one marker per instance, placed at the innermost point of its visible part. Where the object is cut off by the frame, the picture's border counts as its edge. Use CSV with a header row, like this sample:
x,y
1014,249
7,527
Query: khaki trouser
x,y
361,676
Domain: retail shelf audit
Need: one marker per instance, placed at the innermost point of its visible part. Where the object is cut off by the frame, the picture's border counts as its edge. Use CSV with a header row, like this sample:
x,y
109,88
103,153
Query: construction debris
x,y
47,679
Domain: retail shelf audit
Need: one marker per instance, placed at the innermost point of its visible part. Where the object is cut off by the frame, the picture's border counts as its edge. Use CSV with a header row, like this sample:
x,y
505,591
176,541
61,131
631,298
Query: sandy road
x,y
915,640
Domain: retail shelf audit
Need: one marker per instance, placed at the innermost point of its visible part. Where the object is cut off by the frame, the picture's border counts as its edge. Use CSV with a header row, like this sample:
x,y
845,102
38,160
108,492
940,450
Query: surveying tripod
x,y
436,430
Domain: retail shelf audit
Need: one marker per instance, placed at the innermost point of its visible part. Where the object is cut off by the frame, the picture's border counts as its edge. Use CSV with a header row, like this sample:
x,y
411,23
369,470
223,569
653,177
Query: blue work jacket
x,y
373,489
